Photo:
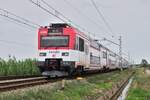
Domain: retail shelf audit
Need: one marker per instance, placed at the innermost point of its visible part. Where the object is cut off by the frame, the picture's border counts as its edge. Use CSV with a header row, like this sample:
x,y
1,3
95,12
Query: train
x,y
65,50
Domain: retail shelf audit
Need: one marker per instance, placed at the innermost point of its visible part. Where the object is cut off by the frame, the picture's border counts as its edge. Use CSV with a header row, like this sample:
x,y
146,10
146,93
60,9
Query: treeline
x,y
144,63
18,67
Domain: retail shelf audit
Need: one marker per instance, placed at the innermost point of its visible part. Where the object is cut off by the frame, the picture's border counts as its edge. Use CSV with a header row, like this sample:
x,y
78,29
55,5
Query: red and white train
x,y
65,50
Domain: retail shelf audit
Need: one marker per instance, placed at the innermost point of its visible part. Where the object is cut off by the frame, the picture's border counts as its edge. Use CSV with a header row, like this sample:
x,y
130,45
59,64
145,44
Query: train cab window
x,y
81,44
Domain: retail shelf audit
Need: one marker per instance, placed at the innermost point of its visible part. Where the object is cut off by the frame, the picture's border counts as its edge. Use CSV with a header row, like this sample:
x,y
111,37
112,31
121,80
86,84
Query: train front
x,y
55,45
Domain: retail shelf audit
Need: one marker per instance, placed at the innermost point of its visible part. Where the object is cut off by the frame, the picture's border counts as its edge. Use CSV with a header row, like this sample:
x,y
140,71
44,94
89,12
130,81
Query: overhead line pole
x,y
120,51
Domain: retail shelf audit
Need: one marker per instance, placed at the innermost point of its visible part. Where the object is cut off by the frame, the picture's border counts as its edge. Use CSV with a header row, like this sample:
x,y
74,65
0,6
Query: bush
x,y
144,63
21,67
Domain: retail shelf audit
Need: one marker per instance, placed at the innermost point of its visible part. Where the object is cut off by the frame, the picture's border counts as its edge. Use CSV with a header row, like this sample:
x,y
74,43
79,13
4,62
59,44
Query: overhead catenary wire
x,y
16,21
43,8
26,27
83,14
56,10
17,18
16,43
64,19
68,20
102,16
20,17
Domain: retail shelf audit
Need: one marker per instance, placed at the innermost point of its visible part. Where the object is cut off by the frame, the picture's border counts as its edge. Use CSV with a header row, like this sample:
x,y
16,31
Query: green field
x,y
140,89
21,67
90,88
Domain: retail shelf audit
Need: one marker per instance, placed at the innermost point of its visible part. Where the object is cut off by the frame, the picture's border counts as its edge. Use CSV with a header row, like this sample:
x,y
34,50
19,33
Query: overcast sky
x,y
128,18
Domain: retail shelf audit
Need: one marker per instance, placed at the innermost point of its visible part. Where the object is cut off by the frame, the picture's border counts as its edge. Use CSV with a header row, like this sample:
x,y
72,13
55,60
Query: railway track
x,y
121,88
117,89
17,77
17,82
12,84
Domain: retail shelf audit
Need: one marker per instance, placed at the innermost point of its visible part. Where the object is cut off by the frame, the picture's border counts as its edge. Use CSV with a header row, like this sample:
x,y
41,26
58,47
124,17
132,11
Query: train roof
x,y
59,25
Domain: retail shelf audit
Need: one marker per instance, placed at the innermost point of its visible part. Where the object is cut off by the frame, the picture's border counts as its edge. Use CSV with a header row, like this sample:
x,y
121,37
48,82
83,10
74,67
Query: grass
x,y
140,89
14,67
90,88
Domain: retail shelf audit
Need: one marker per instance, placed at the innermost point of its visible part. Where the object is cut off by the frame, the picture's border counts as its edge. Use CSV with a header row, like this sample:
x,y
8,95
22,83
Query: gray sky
x,y
129,18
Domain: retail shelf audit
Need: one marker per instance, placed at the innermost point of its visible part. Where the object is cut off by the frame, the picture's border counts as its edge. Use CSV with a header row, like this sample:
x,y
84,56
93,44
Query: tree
x,y
144,63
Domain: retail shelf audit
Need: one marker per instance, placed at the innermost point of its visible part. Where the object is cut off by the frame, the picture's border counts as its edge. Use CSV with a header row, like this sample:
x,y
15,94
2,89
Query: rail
x,y
117,89
17,77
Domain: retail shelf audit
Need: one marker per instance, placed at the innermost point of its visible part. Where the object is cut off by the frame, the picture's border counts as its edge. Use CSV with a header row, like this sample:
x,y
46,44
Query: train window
x,y
90,53
77,44
112,54
54,41
86,49
104,54
81,44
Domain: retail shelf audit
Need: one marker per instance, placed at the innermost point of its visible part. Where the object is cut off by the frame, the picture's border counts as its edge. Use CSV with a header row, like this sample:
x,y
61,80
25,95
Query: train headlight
x,y
65,54
42,54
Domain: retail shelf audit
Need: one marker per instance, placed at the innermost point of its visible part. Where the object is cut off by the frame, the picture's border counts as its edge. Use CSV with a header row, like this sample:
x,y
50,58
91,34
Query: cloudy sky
x,y
128,18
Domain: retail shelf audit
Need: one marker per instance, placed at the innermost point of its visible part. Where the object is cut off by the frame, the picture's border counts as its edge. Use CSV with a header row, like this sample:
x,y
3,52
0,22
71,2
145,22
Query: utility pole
x,y
129,58
120,52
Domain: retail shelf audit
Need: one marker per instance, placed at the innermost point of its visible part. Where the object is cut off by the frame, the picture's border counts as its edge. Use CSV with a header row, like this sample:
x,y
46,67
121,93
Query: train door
x,y
100,57
87,55
103,58
80,51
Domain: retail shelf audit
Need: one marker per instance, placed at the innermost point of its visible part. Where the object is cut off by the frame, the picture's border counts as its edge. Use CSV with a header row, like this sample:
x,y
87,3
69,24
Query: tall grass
x,y
140,89
21,67
90,88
